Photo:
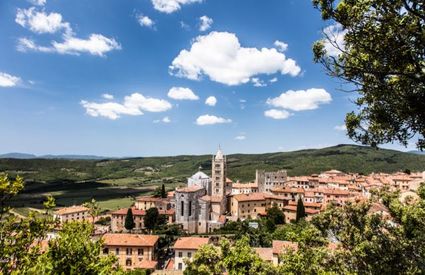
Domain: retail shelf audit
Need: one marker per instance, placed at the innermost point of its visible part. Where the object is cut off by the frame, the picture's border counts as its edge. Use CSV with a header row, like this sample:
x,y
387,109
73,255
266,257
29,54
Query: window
x,y
140,251
190,208
117,251
128,262
189,254
182,208
180,266
180,254
129,251
105,250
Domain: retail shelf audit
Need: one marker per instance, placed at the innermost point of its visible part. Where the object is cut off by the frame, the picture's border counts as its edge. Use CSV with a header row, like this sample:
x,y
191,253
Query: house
x,y
248,206
147,202
279,247
290,212
132,250
118,218
185,248
72,213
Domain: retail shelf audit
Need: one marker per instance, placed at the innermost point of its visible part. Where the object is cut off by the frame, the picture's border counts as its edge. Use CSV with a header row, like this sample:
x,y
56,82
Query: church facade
x,y
202,205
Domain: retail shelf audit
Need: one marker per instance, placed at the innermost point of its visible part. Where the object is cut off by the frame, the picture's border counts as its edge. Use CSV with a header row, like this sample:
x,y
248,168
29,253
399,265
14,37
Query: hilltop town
x,y
206,204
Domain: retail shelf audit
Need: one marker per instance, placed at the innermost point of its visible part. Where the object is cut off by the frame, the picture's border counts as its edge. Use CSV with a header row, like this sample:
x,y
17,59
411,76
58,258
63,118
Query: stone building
x,y
200,207
269,180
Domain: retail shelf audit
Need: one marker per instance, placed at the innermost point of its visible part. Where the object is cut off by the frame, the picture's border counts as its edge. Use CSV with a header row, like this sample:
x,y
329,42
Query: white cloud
x,y
7,80
133,105
211,101
166,119
240,137
96,44
170,6
301,100
41,22
280,46
145,21
334,39
258,82
38,2
205,23
341,128
277,114
220,56
273,80
108,96
181,93
210,120
184,26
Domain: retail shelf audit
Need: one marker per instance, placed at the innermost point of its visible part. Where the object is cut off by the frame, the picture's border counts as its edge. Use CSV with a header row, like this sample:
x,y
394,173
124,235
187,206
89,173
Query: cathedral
x,y
202,205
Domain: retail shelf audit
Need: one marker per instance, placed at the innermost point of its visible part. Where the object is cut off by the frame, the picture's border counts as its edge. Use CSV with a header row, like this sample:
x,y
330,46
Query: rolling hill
x,y
76,180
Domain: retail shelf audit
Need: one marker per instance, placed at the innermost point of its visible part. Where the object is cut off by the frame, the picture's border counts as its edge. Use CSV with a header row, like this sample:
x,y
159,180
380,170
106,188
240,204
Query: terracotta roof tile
x,y
265,253
279,246
125,239
71,209
190,242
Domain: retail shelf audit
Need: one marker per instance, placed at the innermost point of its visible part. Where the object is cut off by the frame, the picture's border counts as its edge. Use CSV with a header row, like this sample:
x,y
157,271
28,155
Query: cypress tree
x,y
163,193
129,221
300,210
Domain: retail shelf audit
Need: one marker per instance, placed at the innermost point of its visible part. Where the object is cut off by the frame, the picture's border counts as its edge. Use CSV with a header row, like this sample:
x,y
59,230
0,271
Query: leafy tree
x,y
382,57
49,203
8,189
160,192
94,209
275,216
207,260
300,210
74,252
153,220
129,220
301,232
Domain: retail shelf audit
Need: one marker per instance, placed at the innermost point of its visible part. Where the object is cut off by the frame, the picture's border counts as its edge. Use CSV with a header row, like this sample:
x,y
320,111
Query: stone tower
x,y
218,173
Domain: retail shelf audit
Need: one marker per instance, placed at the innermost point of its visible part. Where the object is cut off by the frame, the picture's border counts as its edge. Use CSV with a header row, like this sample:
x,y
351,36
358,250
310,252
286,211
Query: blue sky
x,y
131,77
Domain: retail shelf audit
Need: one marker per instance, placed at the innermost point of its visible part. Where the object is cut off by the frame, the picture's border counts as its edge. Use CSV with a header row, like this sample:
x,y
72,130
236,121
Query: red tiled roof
x,y
71,209
279,246
265,253
190,242
125,239
189,189
293,208
146,264
250,197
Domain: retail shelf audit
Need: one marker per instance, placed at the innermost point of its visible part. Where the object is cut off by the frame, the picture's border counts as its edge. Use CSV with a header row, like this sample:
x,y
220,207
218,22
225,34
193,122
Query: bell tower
x,y
218,174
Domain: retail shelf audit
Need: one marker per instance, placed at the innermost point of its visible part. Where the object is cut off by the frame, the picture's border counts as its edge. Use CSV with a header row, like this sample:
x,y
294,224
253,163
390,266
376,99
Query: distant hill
x,y
347,158
417,152
31,156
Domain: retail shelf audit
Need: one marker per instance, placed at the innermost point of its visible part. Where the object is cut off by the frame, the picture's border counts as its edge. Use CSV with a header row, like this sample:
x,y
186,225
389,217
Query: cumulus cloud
x,y
210,120
277,114
211,101
7,80
273,80
41,22
280,46
108,96
341,128
96,44
334,39
38,2
205,23
220,56
181,93
240,137
170,6
145,21
133,105
301,100
258,82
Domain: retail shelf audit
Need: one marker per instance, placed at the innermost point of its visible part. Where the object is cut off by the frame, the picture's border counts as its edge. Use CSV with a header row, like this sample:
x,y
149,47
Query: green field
x,y
116,182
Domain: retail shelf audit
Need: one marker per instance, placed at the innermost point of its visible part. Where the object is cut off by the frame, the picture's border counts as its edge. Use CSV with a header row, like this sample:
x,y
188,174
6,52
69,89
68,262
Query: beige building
x,y
271,254
185,248
72,213
147,202
118,218
132,250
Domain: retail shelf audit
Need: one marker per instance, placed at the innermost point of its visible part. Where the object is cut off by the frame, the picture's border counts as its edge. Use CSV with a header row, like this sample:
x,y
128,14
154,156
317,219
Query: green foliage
x,y
153,220
300,210
301,232
129,220
8,189
74,252
94,209
207,260
388,75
